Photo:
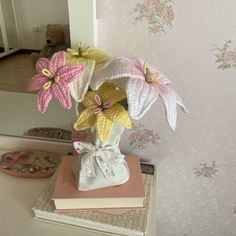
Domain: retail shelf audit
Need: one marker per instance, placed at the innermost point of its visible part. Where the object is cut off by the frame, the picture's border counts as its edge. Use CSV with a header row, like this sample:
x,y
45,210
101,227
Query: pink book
x,y
128,195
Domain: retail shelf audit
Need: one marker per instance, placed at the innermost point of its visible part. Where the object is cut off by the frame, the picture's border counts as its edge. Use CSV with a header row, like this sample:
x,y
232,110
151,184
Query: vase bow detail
x,y
105,157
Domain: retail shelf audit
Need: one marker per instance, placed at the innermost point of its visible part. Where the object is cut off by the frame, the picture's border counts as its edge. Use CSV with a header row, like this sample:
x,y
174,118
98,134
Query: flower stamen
x,y
101,106
47,73
47,85
52,78
81,51
56,79
98,100
150,78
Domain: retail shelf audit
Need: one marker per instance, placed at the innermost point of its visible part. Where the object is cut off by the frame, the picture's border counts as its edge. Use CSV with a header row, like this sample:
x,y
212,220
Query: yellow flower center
x,y
101,106
52,78
81,51
149,77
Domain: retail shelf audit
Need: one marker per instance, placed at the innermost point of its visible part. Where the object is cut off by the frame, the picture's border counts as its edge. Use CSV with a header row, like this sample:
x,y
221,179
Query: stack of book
x,y
127,209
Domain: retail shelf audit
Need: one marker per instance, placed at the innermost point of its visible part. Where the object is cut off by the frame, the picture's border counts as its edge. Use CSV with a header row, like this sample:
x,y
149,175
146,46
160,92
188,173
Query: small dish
x,y
29,164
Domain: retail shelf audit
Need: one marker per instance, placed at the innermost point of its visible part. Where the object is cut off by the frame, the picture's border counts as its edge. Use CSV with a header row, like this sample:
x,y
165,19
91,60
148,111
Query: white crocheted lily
x,y
143,92
117,69
143,86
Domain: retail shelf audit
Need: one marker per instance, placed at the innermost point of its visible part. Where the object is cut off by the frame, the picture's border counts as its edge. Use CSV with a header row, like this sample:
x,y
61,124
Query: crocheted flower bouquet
x,y
109,92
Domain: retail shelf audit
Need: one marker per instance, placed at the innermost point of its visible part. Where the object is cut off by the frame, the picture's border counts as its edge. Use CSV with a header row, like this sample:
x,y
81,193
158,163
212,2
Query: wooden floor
x,y
15,72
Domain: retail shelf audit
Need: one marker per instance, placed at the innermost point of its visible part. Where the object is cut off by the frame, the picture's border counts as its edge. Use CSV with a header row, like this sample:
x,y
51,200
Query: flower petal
x,y
103,126
90,96
94,54
162,79
117,113
70,72
37,82
41,64
98,55
86,120
180,102
119,67
89,100
105,88
153,69
114,96
43,99
141,96
61,93
57,61
169,99
79,86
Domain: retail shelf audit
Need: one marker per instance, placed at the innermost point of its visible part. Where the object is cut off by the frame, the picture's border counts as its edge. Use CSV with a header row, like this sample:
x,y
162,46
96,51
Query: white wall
x,y
1,41
34,13
10,25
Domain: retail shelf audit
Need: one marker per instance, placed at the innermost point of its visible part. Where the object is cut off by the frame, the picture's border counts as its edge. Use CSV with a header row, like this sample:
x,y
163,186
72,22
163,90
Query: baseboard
x,y
21,51
26,51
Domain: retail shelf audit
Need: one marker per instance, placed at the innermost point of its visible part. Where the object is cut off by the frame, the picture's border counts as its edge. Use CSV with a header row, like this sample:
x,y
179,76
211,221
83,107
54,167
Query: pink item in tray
x,y
11,158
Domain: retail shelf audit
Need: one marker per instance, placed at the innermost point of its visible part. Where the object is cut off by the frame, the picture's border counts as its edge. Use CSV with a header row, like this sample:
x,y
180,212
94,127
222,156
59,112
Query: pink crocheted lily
x,y
52,80
144,84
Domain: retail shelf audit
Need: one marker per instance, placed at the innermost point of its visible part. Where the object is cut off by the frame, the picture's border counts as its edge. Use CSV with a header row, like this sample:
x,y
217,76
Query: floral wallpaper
x,y
158,14
206,169
225,55
194,44
140,137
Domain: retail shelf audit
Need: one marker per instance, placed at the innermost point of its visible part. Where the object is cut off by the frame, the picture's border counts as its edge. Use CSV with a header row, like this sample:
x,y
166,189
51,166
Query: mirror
x,y
9,33
24,32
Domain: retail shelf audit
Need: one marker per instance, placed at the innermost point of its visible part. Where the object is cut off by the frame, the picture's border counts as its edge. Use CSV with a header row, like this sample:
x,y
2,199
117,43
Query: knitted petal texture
x,y
57,61
61,93
103,126
119,67
144,83
106,88
180,102
98,55
80,85
86,120
140,97
112,97
70,72
89,99
41,64
80,54
117,113
169,99
37,82
52,80
43,99
103,109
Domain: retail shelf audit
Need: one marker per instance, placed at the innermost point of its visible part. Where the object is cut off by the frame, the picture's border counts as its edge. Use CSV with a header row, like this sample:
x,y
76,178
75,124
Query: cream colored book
x,y
128,222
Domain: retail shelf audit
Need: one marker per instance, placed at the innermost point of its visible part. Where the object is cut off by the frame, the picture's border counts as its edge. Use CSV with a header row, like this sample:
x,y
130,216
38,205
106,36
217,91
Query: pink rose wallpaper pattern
x,y
158,14
206,169
140,137
225,55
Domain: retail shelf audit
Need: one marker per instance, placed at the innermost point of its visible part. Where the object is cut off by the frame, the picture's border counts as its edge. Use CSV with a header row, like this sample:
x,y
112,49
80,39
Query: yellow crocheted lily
x,y
92,59
103,110
81,54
